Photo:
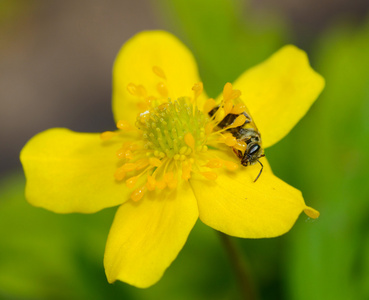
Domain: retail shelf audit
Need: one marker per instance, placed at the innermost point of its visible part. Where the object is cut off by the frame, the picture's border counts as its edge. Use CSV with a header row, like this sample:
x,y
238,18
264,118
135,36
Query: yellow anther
x,y
198,88
238,108
123,125
119,174
159,72
132,89
235,94
162,89
107,135
138,194
141,163
176,157
188,152
240,146
240,120
154,161
311,212
209,128
214,163
131,182
128,167
183,150
227,91
230,140
220,114
209,175
209,105
230,165
123,153
161,185
151,183
190,141
228,105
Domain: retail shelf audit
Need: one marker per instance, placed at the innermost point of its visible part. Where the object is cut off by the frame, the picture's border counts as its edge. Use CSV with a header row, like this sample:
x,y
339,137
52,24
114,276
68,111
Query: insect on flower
x,y
248,148
171,159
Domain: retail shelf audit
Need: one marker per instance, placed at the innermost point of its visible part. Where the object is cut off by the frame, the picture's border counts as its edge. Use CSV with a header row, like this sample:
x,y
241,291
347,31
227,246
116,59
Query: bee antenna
x,y
261,170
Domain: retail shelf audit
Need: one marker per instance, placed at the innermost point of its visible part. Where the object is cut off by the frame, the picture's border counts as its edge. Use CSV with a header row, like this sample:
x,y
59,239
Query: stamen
x,y
186,170
119,174
230,165
229,140
198,88
159,72
107,135
235,94
219,115
151,183
242,146
190,141
141,163
128,167
240,120
132,89
238,108
209,175
138,194
227,91
154,161
209,105
162,89
123,153
123,125
175,135
214,163
131,182
228,107
209,128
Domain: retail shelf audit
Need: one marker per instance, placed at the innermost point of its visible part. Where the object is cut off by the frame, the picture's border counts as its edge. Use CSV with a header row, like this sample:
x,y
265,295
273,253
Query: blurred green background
x,y
55,62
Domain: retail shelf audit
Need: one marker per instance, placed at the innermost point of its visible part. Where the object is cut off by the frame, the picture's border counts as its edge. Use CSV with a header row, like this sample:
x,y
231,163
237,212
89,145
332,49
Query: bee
x,y
247,133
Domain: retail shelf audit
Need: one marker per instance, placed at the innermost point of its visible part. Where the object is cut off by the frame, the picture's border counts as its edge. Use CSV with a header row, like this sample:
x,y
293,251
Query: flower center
x,y
171,138
173,129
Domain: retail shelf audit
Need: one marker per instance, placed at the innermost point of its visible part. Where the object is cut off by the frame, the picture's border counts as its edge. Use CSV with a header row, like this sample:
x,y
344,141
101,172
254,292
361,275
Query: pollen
x,y
173,129
171,138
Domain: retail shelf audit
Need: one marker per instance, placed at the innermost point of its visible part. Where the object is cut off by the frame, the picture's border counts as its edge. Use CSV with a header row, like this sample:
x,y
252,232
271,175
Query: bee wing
x,y
250,123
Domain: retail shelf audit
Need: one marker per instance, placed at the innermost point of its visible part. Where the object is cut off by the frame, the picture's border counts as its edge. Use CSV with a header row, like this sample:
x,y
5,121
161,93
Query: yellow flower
x,y
170,163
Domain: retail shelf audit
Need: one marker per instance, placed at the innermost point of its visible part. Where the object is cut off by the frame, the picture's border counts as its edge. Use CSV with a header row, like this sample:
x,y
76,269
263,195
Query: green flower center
x,y
173,129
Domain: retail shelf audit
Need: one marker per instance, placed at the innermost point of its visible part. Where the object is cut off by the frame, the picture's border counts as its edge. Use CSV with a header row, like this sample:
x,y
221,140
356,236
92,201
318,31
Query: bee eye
x,y
254,149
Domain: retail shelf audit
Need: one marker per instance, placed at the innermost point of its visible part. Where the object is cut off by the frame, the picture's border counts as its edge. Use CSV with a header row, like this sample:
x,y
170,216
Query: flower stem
x,y
240,267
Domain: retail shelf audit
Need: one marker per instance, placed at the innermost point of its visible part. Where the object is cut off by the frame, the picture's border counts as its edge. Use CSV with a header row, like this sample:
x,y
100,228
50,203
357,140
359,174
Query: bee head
x,y
252,154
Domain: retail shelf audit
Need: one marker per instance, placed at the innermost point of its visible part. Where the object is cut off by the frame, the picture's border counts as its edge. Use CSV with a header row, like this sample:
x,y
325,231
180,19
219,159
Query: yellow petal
x,y
142,61
147,236
68,171
279,91
238,206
